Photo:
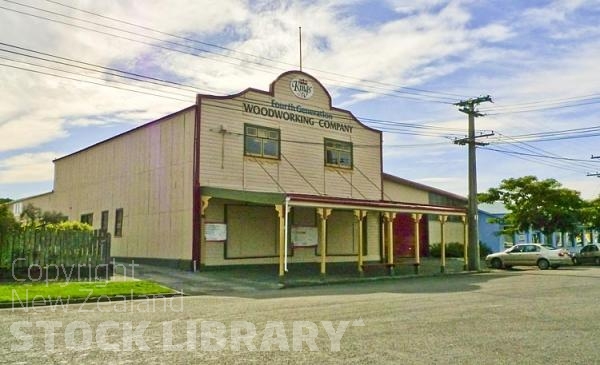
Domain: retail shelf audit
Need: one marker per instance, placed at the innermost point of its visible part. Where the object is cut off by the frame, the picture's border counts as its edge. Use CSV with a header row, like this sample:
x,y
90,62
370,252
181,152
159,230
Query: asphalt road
x,y
515,317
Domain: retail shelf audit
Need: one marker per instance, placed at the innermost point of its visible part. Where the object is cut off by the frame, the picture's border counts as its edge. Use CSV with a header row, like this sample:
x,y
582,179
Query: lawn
x,y
79,291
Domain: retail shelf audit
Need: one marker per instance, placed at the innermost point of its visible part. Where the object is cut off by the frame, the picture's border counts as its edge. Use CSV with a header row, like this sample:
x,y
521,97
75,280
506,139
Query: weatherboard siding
x,y
301,167
402,193
147,173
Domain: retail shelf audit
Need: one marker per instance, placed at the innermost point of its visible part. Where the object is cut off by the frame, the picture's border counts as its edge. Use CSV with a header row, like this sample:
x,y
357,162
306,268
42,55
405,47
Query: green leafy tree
x,y
52,217
31,215
34,218
7,219
591,213
543,205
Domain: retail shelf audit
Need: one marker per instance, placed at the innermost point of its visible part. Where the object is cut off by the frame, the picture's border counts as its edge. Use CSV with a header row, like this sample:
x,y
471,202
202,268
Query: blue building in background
x,y
490,231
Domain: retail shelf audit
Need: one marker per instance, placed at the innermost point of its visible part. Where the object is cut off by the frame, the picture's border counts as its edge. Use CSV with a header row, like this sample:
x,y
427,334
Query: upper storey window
x,y
261,141
338,153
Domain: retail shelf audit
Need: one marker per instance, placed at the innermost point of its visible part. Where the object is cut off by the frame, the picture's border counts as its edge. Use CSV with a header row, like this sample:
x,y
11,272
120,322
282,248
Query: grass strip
x,y
79,290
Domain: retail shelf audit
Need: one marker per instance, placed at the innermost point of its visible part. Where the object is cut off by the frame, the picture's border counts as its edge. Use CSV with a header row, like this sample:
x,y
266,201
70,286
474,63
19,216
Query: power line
x,y
545,108
562,138
530,148
89,82
545,163
402,129
548,101
417,133
387,126
181,86
194,88
252,55
168,34
413,97
536,155
536,152
556,133
122,30
411,125
245,53
84,68
122,37
354,145
390,129
305,142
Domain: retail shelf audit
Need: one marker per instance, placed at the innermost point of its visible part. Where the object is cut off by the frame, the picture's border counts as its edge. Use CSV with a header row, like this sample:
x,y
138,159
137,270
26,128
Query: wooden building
x,y
259,177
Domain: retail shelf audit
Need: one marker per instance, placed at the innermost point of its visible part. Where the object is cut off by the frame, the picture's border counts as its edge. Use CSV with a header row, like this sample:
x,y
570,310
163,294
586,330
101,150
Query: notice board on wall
x,y
304,236
215,231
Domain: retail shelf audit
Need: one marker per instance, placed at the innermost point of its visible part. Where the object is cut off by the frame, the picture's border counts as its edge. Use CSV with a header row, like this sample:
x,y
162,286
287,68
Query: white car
x,y
529,254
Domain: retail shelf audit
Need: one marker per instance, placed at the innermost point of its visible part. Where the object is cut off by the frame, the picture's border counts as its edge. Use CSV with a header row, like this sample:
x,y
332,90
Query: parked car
x,y
529,254
588,254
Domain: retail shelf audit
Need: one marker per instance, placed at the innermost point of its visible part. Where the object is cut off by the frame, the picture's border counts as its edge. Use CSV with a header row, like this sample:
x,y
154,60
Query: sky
x,y
398,65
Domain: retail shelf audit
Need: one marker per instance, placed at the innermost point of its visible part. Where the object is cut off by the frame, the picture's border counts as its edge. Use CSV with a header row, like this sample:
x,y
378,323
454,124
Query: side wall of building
x,y
453,228
403,193
43,201
146,173
489,232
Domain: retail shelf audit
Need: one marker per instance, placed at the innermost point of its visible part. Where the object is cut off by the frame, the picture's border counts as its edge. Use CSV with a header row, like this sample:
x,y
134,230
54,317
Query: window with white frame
x,y
261,141
338,153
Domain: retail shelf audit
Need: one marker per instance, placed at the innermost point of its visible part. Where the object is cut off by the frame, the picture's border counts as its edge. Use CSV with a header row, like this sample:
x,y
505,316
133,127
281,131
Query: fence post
x,y
110,268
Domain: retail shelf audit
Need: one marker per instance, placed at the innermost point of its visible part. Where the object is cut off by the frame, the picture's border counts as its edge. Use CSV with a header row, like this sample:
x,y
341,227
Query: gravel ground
x,y
503,317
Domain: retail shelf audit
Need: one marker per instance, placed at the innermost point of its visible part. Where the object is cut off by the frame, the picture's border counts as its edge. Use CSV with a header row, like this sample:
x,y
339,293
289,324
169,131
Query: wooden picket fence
x,y
23,250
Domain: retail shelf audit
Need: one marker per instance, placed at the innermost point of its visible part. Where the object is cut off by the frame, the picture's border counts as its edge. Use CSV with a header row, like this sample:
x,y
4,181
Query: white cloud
x,y
30,130
590,186
410,7
556,12
27,167
431,44
493,33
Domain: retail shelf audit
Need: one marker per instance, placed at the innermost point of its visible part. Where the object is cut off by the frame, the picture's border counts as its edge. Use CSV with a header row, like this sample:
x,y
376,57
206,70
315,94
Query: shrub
x,y
455,249
69,226
484,249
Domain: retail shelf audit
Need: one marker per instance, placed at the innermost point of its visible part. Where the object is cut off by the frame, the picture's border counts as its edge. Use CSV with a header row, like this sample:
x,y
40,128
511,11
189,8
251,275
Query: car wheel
x,y
497,264
543,264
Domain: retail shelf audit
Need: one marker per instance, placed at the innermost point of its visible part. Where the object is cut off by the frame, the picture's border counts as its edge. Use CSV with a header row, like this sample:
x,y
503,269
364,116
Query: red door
x,y
404,239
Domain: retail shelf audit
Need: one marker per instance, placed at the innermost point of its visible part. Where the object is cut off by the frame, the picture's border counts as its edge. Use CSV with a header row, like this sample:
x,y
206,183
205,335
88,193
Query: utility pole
x,y
597,174
468,107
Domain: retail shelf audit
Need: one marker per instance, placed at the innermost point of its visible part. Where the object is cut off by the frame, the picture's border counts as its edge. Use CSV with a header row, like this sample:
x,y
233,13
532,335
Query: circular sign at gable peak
x,y
302,88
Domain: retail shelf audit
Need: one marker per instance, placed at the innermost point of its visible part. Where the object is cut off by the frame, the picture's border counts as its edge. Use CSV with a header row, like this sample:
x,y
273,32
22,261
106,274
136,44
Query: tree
x,y
543,205
53,220
31,215
591,213
7,219
35,217
52,217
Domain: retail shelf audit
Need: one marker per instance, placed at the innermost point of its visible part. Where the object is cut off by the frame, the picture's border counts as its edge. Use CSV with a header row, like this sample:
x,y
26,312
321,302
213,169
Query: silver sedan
x,y
529,254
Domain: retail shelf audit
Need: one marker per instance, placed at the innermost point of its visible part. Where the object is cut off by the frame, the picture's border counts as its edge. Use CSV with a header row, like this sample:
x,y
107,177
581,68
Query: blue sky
x,y
398,65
